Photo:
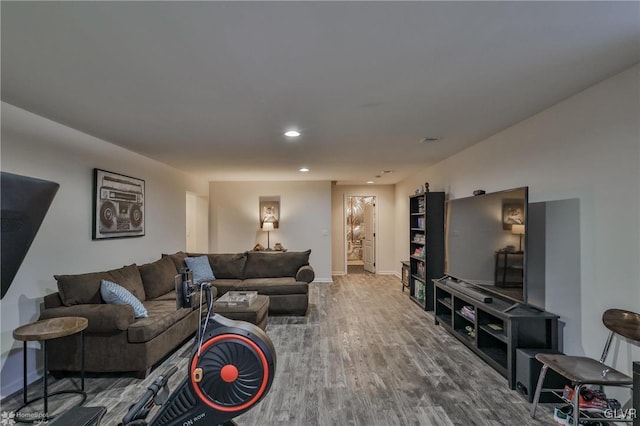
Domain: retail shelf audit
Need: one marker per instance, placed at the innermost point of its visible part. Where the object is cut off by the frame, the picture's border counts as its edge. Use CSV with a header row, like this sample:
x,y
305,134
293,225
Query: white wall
x,y
586,148
385,225
36,147
305,219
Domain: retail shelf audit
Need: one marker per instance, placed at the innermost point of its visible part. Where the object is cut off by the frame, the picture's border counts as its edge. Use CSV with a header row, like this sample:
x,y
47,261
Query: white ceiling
x,y
209,87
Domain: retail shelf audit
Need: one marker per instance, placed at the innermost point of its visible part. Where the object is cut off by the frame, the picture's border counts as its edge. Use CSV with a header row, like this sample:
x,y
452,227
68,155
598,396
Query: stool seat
x,y
581,369
257,313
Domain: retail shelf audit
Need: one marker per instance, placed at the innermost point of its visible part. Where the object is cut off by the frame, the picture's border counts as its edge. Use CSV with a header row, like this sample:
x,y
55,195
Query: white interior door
x,y
369,246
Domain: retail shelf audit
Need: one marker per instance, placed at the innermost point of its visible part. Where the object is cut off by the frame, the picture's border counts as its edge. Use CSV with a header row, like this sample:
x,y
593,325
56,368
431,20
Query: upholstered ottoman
x,y
257,313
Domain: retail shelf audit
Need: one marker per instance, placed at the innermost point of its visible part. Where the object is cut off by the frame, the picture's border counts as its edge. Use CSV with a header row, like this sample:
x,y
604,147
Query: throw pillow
x,y
200,268
116,294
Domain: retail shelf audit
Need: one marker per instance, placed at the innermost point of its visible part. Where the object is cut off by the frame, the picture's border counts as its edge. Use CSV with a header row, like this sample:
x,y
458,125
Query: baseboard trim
x,y
338,273
323,281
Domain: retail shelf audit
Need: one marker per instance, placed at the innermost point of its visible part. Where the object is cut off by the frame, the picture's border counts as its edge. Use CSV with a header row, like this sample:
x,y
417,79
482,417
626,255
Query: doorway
x,y
360,234
197,223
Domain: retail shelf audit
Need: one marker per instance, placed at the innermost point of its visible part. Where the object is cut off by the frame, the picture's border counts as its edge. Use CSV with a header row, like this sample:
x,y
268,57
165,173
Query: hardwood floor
x,y
363,355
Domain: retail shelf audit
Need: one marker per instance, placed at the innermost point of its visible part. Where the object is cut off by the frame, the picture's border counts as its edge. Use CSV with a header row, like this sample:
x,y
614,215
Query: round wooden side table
x,y
42,331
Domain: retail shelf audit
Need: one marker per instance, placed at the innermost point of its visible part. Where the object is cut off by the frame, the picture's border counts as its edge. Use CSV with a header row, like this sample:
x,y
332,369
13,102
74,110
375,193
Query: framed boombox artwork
x,y
118,205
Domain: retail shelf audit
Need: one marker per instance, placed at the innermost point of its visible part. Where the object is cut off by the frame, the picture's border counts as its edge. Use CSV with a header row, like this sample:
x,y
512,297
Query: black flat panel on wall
x,y
527,373
24,203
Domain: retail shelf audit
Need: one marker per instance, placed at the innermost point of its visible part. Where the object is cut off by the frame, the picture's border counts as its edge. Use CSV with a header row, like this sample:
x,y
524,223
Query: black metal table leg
x,y
24,371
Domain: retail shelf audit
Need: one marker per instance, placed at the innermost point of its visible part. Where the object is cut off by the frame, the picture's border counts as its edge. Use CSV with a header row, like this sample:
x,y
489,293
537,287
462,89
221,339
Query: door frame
x,y
344,229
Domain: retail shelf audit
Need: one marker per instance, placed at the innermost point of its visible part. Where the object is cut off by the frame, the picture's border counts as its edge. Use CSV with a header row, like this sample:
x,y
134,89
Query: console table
x,y
43,331
492,330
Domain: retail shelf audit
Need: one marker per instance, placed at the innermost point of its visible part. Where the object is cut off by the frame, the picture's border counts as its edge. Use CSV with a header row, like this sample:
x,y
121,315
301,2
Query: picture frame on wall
x,y
512,213
118,206
270,211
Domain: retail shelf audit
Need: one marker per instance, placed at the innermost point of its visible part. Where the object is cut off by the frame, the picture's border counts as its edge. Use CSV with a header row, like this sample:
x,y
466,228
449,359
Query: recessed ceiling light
x,y
304,169
292,133
370,181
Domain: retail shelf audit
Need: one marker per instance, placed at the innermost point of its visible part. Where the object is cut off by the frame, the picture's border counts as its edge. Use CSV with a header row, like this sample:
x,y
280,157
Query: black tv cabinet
x,y
490,332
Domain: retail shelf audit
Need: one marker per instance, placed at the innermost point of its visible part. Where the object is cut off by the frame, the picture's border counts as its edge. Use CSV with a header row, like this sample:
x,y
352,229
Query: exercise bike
x,y
230,370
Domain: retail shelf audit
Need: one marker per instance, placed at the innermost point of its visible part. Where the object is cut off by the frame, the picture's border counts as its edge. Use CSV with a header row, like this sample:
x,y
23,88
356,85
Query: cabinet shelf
x,y
445,302
494,333
417,214
463,334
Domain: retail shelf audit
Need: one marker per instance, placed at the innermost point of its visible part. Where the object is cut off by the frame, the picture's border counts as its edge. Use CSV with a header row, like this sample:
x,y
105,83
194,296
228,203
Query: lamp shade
x,y
517,229
267,226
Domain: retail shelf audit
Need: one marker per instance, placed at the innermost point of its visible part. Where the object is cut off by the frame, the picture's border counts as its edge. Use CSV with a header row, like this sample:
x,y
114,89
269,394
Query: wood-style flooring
x,y
363,355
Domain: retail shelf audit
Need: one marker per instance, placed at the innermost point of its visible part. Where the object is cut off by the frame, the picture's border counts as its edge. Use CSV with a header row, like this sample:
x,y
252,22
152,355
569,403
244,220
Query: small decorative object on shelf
x,y
278,247
258,247
426,187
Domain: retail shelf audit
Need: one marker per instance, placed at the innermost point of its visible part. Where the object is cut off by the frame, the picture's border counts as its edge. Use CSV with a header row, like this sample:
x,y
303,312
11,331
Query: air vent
x,y
429,139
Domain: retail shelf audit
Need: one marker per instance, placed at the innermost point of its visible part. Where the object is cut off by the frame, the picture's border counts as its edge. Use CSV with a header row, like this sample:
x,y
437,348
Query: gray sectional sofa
x,y
115,341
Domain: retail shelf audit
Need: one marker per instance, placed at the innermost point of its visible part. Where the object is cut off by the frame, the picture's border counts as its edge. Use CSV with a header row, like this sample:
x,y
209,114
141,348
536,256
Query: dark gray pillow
x,y
178,259
157,277
228,265
265,264
83,289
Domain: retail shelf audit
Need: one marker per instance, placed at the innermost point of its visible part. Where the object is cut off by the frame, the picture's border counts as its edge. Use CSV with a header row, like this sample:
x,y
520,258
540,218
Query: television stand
x,y
493,331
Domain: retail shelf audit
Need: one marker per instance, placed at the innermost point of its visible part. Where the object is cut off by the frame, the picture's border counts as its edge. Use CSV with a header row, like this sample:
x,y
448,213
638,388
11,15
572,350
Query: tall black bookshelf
x,y
426,245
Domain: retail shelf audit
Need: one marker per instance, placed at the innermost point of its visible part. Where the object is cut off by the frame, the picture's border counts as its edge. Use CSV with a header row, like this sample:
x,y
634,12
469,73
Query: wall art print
x,y
270,211
512,213
118,205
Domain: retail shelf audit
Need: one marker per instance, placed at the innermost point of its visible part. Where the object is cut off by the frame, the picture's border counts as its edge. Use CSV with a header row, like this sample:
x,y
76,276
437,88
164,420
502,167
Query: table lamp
x,y
268,226
518,230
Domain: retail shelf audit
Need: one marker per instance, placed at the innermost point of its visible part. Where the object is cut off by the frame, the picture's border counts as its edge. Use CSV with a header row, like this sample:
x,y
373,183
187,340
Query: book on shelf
x,y
468,312
496,327
237,298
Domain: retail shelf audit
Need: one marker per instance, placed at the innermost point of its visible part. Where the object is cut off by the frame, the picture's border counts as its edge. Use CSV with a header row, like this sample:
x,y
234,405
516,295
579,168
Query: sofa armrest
x,y
305,274
102,318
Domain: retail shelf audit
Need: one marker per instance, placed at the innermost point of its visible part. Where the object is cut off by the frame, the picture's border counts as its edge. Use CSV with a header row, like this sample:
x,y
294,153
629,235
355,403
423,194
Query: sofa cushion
x,y
129,278
162,314
81,288
225,265
157,277
200,268
274,264
273,286
115,294
225,285
178,259
85,288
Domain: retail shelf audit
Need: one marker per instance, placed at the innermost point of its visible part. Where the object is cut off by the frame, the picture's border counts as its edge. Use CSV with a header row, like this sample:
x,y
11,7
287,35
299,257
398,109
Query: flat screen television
x,y
486,243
